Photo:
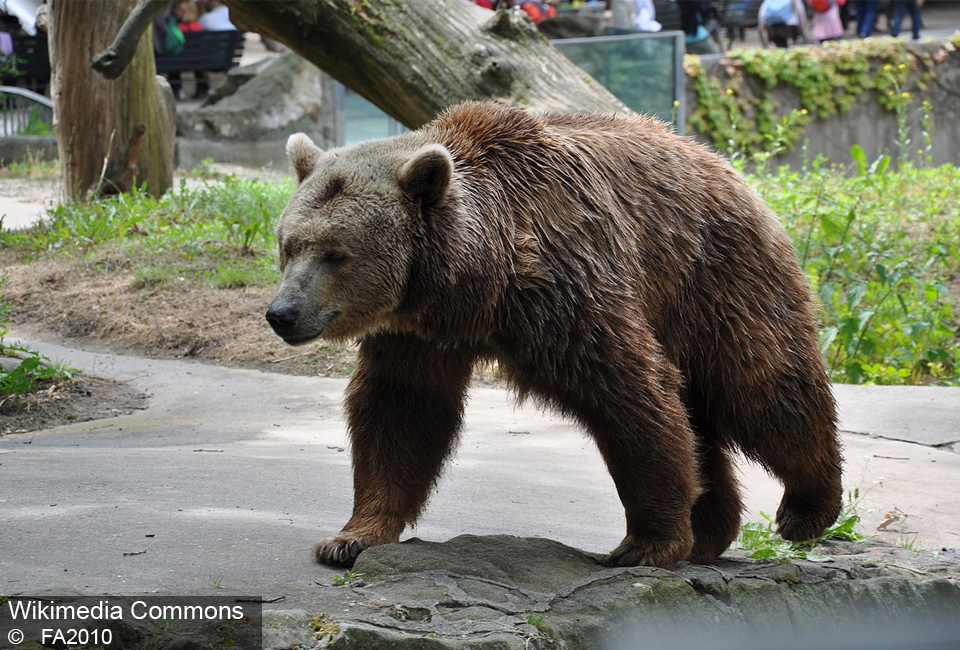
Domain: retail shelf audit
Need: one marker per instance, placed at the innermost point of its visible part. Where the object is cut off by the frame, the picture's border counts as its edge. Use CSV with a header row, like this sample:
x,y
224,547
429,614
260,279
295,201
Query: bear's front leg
x,y
404,408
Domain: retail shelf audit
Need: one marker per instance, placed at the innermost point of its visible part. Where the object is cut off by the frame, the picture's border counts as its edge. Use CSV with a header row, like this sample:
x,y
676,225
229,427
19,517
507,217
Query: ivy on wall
x,y
735,104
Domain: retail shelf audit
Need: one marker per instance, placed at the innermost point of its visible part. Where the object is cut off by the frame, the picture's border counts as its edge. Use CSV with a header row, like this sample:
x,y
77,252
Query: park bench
x,y
204,52
667,13
739,15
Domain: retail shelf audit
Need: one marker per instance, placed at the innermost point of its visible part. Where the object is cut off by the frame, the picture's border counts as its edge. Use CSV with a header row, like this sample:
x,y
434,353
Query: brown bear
x,y
618,272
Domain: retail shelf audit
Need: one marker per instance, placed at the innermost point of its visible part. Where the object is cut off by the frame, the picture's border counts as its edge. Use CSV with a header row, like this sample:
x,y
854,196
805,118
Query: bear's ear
x,y
303,155
427,175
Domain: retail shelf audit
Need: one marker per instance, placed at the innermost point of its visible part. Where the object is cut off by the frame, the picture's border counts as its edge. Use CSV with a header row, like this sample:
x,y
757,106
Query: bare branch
x,y
114,60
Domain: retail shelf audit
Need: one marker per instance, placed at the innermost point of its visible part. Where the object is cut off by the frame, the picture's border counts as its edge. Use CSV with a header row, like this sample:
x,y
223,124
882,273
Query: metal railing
x,y
18,106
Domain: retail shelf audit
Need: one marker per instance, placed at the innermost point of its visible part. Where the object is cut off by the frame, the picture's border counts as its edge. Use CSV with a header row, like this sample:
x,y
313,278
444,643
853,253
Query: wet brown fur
x,y
617,272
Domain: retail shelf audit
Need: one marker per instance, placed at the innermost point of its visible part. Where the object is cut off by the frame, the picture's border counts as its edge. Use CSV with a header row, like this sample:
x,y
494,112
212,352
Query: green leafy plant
x,y
348,578
763,542
878,246
736,105
761,539
36,125
33,368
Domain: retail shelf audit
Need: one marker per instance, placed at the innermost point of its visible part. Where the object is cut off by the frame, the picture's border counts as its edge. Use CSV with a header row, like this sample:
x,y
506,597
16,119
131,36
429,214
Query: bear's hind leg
x,y
716,514
404,409
793,434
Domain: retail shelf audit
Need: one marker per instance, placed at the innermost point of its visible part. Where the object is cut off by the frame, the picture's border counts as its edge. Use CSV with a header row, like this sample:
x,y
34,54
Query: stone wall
x,y
867,123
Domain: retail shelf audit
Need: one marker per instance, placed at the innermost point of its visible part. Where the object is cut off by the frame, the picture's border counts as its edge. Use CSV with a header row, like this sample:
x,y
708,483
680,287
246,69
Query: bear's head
x,y
348,233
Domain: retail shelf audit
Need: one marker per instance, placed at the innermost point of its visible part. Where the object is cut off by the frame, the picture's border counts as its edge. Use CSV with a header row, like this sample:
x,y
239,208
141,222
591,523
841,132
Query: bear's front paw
x,y
634,551
341,550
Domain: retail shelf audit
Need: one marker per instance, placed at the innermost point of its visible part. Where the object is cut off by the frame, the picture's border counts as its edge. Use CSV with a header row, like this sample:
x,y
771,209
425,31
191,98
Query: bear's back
x,y
612,213
608,198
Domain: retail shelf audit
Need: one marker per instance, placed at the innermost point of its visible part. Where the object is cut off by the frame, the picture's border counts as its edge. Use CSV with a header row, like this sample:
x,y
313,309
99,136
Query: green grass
x,y
33,166
232,276
226,220
225,274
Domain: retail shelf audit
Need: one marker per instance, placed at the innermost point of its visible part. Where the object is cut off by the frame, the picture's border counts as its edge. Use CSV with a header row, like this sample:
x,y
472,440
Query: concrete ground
x,y
230,476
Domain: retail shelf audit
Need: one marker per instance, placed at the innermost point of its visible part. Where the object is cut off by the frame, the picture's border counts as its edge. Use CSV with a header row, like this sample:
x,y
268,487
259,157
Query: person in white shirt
x,y
645,19
217,17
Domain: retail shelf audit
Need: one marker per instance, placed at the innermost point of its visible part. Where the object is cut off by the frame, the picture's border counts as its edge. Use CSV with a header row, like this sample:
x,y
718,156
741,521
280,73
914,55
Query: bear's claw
x,y
337,551
664,554
349,552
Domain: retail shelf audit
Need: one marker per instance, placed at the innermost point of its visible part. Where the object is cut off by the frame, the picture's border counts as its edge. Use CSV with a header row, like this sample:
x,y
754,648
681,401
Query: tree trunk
x,y
110,134
415,58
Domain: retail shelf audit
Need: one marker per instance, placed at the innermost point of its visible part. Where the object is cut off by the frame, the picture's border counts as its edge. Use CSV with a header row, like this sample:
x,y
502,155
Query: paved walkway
x,y
230,476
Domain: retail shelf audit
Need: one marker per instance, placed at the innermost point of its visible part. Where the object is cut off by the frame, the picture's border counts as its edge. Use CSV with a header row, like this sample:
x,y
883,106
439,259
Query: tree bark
x,y
110,134
415,58
114,60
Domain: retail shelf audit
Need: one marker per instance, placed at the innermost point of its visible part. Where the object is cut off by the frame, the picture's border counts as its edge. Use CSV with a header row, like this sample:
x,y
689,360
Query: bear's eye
x,y
334,257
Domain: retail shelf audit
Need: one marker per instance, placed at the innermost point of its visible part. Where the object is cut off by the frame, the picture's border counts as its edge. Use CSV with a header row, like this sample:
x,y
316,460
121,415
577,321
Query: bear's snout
x,y
283,319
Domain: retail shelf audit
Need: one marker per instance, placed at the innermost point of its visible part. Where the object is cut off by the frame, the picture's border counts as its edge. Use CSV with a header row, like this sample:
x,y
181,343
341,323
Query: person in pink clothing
x,y
826,24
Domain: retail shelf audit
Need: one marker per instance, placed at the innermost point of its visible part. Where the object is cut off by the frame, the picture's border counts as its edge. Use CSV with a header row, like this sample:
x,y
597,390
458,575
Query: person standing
x,y
826,24
695,15
867,11
782,20
900,9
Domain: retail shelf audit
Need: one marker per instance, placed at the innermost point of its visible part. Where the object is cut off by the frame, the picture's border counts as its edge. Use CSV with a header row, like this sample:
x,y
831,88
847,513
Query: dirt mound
x,y
79,399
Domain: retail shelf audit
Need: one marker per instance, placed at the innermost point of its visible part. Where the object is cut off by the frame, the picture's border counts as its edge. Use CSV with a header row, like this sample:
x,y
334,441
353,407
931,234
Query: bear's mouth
x,y
322,325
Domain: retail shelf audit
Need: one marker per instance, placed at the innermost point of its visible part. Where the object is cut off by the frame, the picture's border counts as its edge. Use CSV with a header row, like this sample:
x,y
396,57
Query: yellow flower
x,y
729,91
803,111
905,95
890,92
676,103
888,67
902,66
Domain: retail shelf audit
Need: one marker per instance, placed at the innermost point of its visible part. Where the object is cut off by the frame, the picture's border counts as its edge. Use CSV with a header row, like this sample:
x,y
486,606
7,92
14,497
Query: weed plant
x,y
879,246
761,541
36,125
33,368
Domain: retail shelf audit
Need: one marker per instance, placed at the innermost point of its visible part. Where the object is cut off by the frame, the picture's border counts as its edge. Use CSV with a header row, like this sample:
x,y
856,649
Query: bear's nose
x,y
283,318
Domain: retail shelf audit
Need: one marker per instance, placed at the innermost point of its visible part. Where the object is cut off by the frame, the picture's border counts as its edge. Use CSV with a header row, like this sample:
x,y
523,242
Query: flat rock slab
x,y
510,592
